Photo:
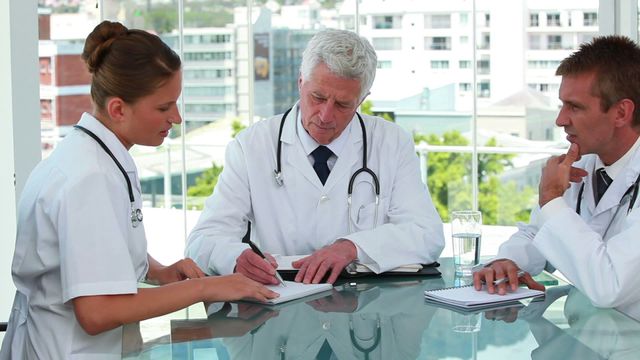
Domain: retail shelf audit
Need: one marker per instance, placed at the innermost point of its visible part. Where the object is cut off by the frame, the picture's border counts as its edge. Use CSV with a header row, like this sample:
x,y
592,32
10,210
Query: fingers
x,y
573,154
576,174
271,260
255,267
531,284
329,260
501,269
302,269
190,270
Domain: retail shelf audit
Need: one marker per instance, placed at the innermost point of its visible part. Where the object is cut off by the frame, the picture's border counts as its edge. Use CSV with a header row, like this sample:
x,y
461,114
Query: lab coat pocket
x,y
364,216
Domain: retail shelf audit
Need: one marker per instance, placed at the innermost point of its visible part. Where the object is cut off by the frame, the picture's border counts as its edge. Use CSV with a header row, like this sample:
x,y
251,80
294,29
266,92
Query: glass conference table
x,y
389,319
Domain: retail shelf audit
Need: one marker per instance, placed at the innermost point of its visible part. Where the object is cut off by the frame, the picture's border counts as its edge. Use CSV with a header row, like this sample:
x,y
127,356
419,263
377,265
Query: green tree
x,y
206,182
366,108
450,184
236,127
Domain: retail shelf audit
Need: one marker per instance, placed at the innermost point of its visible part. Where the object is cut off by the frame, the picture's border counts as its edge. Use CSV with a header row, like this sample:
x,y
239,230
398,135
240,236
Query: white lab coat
x,y
598,250
303,215
74,238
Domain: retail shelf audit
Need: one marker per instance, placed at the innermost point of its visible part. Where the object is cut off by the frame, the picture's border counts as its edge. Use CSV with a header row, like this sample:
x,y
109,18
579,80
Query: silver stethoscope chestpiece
x,y
278,176
136,216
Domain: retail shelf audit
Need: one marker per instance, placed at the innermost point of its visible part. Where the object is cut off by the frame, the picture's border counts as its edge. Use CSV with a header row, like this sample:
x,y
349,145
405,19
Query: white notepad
x,y
468,297
295,290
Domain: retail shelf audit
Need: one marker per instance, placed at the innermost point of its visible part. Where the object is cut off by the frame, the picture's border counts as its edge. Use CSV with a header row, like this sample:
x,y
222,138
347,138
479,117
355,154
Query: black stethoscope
x,y
357,342
633,190
280,180
136,214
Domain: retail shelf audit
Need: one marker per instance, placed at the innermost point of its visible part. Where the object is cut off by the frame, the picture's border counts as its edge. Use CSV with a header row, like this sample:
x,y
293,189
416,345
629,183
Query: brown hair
x,y
129,64
615,60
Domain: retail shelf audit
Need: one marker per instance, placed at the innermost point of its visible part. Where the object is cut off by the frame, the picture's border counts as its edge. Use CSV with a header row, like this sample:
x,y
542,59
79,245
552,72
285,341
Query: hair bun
x,y
99,42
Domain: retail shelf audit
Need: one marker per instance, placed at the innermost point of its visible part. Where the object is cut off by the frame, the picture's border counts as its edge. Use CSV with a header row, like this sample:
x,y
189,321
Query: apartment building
x,y
426,58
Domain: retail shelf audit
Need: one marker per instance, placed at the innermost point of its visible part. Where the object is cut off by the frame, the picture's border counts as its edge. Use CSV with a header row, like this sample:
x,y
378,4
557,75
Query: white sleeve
x,y
519,248
93,239
413,233
215,242
606,272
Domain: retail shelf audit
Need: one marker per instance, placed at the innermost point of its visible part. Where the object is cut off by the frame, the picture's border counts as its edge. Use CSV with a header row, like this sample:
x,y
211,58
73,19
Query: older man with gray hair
x,y
320,180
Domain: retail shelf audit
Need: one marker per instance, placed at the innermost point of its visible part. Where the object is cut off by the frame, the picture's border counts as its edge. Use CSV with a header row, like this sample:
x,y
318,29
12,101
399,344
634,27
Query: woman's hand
x,y
180,270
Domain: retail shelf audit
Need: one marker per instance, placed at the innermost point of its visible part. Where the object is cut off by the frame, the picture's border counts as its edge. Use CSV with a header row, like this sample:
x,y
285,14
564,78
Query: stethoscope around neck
x,y
633,190
136,213
364,169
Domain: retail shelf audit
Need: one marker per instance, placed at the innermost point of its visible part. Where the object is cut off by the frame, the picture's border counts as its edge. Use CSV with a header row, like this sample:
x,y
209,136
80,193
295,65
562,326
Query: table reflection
x,y
389,319
356,321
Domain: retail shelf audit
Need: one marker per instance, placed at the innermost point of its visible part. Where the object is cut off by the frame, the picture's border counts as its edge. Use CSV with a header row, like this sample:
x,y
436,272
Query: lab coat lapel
x,y
294,154
351,154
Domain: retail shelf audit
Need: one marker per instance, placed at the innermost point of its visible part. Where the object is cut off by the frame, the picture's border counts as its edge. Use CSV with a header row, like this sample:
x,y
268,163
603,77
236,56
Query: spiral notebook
x,y
469,298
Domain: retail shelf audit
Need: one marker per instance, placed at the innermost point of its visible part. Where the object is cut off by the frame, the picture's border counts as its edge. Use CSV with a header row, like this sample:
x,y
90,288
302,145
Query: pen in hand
x,y
256,250
506,279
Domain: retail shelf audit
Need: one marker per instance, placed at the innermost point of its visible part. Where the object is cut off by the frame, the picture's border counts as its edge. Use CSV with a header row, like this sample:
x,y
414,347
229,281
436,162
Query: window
x,y
534,42
553,19
208,91
543,64
464,87
217,70
484,66
390,43
384,64
554,42
485,41
437,21
207,56
387,22
590,19
464,19
484,89
439,64
534,21
437,43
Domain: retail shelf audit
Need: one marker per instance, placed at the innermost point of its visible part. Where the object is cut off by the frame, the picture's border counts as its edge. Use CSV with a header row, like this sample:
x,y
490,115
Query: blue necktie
x,y
320,156
602,183
325,352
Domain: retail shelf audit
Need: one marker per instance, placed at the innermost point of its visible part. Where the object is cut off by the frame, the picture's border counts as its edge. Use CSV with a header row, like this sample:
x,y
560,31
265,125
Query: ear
x,y
363,99
623,112
299,83
116,109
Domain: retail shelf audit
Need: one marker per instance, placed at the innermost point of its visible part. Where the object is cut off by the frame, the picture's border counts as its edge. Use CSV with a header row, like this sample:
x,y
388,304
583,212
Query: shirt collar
x,y
616,168
309,144
116,147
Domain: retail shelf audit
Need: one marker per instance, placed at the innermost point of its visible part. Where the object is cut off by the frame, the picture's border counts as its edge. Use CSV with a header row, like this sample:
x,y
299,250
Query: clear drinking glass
x,y
466,231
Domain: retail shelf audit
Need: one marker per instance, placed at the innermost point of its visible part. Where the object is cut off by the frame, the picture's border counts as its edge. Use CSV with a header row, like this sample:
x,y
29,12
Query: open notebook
x,y
469,298
295,290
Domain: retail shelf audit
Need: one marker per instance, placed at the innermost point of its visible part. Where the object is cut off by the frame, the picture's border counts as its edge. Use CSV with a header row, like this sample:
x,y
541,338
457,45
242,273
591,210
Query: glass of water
x,y
466,231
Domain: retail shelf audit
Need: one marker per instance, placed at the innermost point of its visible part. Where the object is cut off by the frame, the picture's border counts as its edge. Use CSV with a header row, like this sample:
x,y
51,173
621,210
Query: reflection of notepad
x,y
468,297
295,290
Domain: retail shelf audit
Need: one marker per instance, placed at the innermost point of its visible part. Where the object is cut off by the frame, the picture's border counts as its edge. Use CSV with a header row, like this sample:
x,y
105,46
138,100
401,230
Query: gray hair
x,y
345,53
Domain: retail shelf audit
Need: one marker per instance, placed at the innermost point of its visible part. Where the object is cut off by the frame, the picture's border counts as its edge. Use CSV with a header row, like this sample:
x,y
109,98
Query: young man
x,y
587,222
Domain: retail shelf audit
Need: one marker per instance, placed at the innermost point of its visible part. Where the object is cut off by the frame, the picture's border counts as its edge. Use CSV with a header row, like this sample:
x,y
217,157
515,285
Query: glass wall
x,y
473,81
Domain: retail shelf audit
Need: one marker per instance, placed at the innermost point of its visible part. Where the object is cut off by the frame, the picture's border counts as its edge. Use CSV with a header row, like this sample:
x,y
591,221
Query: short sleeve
x,y
95,256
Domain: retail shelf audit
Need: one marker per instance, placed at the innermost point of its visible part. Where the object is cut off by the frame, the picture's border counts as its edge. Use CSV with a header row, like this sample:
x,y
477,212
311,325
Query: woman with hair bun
x,y
80,246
